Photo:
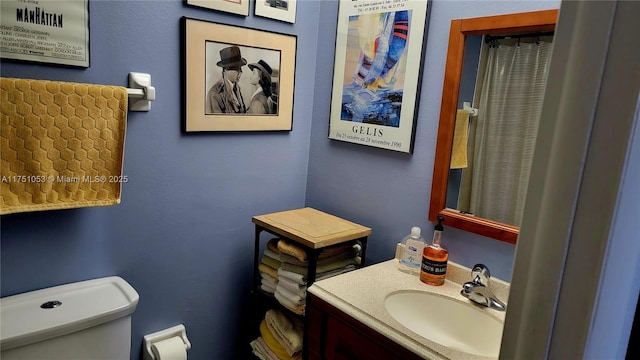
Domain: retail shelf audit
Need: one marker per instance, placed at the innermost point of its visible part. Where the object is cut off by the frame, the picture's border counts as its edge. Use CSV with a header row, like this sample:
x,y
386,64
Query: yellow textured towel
x,y
292,249
460,136
62,144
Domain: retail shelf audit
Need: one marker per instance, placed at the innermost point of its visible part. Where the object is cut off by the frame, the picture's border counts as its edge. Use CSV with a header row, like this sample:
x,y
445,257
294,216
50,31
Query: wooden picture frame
x,y
377,72
262,99
238,7
283,10
505,24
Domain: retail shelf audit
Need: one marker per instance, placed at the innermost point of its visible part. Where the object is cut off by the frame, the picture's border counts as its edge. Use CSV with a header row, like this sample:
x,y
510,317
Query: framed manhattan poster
x,y
377,72
55,32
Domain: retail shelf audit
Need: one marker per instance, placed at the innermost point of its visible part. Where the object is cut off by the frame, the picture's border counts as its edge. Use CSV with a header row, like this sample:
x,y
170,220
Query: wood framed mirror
x,y
520,23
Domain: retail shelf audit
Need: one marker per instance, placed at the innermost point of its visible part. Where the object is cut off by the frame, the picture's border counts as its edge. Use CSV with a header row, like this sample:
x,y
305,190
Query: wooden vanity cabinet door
x,y
346,343
334,335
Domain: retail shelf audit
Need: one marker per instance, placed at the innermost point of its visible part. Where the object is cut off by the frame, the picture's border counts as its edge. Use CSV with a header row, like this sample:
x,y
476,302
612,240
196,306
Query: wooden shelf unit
x,y
313,230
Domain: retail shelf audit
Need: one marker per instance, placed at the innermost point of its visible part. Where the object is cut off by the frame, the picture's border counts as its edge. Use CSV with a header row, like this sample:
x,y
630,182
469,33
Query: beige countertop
x,y
361,295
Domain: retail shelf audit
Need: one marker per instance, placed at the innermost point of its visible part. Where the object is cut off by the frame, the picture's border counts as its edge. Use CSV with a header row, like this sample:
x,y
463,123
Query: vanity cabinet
x,y
333,335
312,230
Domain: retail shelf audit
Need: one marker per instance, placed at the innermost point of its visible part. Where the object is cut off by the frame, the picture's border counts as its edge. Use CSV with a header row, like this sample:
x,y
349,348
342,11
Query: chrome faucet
x,y
477,290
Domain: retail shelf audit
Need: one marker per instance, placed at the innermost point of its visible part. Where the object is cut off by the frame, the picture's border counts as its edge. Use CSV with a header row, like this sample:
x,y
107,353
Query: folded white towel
x,y
272,254
294,298
256,350
292,285
268,289
260,346
298,309
271,282
298,278
268,277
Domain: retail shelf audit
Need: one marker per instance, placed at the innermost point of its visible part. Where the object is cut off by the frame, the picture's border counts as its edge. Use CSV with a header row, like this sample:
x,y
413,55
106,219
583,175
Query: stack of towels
x,y
291,288
291,291
280,337
268,267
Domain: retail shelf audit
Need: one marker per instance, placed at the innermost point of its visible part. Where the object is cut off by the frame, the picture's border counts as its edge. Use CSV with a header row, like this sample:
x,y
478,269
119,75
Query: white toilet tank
x,y
87,320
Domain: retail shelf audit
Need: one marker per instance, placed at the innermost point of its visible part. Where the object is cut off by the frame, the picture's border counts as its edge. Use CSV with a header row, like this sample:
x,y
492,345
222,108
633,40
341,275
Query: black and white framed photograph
x,y
283,10
237,79
239,7
377,73
54,32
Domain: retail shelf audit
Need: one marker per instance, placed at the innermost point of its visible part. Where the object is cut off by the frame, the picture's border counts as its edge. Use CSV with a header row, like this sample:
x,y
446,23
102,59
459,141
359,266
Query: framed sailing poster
x,y
377,72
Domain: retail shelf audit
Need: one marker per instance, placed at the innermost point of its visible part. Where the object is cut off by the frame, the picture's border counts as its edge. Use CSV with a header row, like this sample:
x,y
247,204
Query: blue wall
x,y
182,235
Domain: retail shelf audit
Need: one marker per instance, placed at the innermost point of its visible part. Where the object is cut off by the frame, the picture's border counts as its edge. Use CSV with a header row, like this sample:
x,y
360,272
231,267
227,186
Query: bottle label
x,y
411,258
434,267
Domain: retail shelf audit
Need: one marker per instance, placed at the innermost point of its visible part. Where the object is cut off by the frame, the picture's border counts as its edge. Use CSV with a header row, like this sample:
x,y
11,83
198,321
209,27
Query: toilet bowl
x,y
84,320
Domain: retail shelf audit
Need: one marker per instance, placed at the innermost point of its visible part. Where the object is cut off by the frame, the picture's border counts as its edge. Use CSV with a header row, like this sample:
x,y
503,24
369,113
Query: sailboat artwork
x,y
378,65
374,94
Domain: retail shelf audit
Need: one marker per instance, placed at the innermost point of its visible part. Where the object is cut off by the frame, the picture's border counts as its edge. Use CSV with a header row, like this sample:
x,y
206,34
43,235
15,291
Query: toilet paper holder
x,y
150,339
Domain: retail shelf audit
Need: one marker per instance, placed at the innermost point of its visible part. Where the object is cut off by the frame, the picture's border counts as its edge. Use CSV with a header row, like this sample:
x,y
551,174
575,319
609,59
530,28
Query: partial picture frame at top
x,y
238,7
379,58
283,10
236,78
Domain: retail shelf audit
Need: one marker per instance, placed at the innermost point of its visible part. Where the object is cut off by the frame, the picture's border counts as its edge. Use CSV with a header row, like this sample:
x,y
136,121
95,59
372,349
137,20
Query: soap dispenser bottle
x,y
434,259
412,246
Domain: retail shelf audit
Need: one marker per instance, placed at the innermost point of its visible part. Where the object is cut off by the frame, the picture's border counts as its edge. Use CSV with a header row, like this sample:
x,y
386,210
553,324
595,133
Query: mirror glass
x,y
492,98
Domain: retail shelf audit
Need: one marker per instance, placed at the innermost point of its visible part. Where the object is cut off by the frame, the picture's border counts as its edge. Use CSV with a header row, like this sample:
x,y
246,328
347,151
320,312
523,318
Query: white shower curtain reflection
x,y
505,130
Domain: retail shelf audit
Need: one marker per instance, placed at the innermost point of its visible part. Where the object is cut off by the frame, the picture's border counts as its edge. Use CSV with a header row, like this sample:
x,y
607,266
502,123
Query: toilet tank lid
x,y
43,314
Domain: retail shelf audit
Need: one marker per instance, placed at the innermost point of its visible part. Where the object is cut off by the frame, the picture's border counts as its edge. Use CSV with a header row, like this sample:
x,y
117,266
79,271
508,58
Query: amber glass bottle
x,y
434,259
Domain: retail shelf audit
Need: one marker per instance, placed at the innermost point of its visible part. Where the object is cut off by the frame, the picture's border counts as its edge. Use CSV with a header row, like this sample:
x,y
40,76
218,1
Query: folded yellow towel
x,y
273,245
275,264
62,144
292,249
460,137
264,268
272,343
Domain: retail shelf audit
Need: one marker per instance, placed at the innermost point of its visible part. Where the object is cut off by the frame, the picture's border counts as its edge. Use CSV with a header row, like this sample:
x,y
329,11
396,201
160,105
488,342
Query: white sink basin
x,y
446,321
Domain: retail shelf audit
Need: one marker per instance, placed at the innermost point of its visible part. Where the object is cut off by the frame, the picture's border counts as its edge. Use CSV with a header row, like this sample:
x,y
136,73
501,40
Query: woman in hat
x,y
225,96
260,78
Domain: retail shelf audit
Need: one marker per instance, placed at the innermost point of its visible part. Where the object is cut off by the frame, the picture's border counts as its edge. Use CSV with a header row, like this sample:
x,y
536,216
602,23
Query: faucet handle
x,y
481,274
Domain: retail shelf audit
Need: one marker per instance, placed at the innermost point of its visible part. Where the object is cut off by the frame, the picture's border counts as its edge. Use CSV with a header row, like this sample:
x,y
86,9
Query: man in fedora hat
x,y
225,96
